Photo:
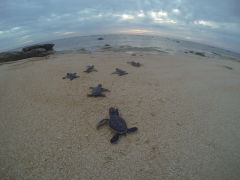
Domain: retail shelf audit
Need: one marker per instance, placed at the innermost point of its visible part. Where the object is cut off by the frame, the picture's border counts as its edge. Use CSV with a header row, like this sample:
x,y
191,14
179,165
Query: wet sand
x,y
186,108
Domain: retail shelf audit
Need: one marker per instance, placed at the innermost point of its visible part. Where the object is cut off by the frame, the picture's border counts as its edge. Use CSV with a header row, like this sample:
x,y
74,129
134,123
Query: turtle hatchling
x,y
120,72
133,63
90,69
117,123
97,91
71,76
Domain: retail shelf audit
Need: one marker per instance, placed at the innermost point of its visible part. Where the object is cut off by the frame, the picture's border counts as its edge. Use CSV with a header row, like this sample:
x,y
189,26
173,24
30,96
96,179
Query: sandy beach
x,y
186,108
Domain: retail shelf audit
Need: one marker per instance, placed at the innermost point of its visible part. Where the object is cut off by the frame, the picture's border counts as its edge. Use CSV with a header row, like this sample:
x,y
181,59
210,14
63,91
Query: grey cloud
x,y
40,20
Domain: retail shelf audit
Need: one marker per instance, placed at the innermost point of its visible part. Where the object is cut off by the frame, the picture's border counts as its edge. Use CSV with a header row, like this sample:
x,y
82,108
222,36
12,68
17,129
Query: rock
x,y
11,56
200,54
17,55
100,38
38,52
107,46
197,53
228,67
47,47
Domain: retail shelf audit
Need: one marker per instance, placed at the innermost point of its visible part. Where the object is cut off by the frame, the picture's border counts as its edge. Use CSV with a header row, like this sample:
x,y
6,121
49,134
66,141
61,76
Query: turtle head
x,y
113,111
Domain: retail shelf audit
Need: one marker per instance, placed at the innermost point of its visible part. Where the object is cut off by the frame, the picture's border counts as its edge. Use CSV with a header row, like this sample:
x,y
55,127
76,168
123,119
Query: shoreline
x,y
92,43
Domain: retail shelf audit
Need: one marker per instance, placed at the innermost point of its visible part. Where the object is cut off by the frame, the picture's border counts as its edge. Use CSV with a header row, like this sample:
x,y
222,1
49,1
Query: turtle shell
x,y
118,124
97,90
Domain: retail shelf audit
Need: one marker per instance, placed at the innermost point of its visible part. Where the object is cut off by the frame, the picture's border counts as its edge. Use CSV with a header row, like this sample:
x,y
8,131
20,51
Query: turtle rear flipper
x,y
72,78
103,89
115,138
101,95
133,129
122,74
94,95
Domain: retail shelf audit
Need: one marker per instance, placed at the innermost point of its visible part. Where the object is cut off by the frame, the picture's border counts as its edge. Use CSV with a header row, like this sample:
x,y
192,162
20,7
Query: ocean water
x,y
138,43
134,43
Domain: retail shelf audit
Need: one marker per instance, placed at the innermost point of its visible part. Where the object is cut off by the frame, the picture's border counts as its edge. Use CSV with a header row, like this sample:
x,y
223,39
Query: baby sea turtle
x,y
120,72
133,63
90,69
71,76
117,123
97,91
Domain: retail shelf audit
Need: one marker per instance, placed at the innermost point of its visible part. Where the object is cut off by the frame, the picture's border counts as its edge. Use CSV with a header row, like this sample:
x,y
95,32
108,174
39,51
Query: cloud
x,y
141,14
184,18
127,17
176,11
161,17
65,33
25,42
136,31
206,23
11,30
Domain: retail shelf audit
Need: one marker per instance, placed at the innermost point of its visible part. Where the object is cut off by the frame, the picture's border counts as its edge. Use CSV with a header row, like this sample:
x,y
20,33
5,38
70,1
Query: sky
x,y
213,22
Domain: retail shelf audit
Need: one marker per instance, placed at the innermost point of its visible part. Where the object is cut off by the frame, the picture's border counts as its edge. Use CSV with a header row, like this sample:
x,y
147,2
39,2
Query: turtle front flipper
x,y
115,138
102,122
133,129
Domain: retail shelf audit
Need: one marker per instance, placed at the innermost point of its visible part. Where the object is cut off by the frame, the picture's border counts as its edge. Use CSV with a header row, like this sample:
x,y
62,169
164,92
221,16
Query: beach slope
x,y
186,108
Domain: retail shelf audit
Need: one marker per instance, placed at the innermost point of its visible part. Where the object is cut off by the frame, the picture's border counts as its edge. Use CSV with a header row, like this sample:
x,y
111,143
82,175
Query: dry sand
x,y
187,109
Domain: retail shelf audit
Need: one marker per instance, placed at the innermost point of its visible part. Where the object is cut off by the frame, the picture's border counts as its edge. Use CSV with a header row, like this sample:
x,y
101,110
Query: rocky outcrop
x,y
197,53
47,47
27,52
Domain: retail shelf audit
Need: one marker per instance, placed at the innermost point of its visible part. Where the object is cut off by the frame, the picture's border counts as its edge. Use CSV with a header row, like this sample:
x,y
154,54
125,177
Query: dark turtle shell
x,y
90,69
97,90
116,122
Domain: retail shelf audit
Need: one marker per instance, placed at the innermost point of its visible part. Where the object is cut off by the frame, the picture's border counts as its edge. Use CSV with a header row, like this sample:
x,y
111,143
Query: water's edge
x,y
144,43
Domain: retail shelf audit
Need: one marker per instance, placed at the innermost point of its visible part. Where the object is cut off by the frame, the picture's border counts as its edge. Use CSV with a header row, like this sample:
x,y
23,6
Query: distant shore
x,y
186,107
